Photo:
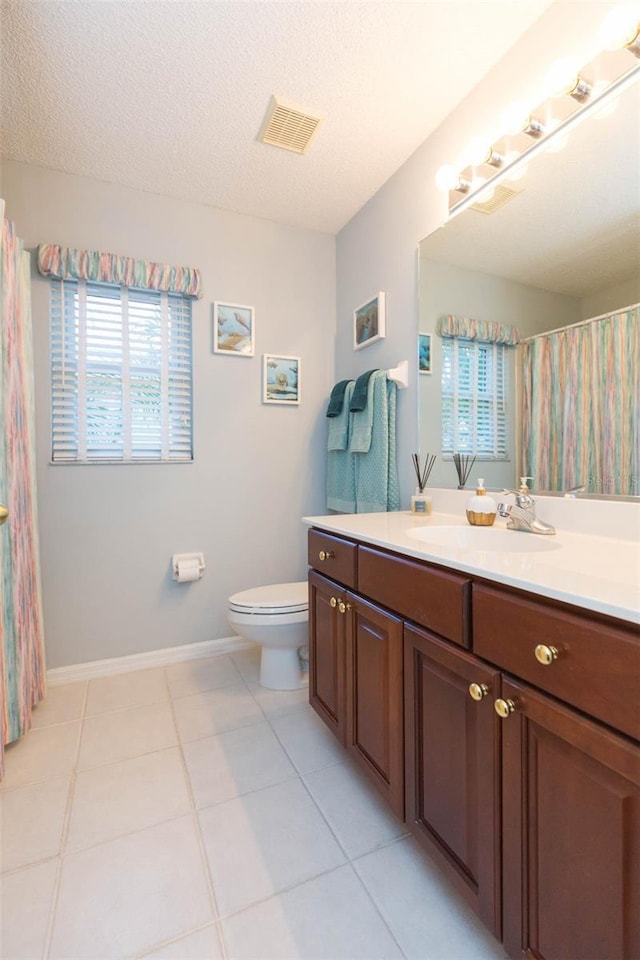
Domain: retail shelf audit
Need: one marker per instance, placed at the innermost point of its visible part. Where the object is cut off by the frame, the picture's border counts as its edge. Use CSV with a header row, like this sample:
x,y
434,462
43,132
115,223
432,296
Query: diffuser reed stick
x,y
463,468
423,474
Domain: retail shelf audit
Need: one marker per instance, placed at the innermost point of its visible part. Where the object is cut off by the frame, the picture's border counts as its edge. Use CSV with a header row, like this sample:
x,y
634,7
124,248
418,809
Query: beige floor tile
x,y
41,754
126,690
265,842
308,742
217,711
121,897
235,763
32,819
277,702
123,797
425,914
110,737
359,818
60,705
202,945
248,662
197,676
328,918
25,907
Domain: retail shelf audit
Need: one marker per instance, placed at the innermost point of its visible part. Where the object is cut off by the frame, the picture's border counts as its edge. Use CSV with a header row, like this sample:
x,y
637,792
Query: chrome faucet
x,y
573,492
522,513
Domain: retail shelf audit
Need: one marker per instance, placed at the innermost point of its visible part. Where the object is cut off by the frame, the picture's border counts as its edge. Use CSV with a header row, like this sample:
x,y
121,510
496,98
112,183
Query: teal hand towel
x,y
339,426
341,483
336,400
360,437
361,392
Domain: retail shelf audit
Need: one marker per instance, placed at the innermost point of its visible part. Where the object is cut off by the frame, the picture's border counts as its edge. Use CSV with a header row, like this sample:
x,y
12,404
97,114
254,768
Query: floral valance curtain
x,y
469,329
581,414
69,263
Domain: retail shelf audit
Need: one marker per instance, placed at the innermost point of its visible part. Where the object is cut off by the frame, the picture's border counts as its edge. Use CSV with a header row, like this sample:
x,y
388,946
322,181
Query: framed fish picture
x,y
233,329
369,322
280,379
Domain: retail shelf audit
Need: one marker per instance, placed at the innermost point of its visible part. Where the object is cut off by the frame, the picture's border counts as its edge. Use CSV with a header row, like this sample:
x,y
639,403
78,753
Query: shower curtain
x,y
581,416
22,668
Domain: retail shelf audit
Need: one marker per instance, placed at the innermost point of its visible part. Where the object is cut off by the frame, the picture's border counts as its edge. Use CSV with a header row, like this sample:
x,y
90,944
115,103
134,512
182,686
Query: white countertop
x,y
595,572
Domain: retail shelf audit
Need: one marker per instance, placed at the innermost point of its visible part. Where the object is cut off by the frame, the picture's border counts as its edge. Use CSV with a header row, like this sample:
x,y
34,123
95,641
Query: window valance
x,y
68,263
469,329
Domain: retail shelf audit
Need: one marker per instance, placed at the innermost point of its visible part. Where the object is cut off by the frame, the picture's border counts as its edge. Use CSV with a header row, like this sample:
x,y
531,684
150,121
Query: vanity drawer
x,y
333,556
597,667
422,593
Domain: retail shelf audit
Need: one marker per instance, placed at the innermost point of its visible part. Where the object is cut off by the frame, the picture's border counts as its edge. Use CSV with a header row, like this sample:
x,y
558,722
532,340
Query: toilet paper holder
x,y
187,566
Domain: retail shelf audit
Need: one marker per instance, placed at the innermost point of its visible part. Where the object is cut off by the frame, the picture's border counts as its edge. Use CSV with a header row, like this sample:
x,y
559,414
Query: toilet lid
x,y
275,598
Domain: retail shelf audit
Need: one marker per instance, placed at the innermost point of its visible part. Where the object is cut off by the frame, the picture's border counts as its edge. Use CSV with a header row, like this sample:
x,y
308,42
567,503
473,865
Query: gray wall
x,y
108,532
378,248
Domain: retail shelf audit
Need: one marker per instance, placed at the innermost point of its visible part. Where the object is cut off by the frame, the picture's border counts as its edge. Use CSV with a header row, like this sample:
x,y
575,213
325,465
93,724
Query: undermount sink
x,y
484,538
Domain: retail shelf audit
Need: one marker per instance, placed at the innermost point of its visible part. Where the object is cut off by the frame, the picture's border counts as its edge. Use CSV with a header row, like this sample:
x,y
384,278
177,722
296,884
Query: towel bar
x,y
400,374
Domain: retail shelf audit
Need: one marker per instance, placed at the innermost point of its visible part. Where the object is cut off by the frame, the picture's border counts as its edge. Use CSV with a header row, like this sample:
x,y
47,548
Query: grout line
x,y
161,944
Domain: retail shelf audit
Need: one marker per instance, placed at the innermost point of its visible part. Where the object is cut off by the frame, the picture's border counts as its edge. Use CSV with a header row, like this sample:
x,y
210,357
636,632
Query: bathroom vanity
x,y
501,721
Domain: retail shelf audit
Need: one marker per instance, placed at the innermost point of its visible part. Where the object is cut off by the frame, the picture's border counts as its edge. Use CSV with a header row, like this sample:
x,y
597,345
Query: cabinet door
x,y
571,808
452,765
375,697
327,664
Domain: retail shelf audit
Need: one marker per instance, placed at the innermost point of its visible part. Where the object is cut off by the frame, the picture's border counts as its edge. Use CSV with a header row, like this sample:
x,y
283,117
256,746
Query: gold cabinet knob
x,y
545,655
343,607
4,513
504,708
325,555
478,691
333,602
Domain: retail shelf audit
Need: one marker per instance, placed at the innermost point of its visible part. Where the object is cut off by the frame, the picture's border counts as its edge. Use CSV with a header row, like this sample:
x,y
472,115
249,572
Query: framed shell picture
x,y
369,322
233,329
280,379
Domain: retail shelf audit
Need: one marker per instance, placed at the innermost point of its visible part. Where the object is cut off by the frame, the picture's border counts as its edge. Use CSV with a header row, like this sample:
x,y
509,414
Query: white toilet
x,y
276,617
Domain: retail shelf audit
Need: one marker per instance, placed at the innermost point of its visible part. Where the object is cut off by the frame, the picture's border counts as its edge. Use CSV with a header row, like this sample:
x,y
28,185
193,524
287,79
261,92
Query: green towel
x,y
341,484
376,472
360,437
336,400
361,392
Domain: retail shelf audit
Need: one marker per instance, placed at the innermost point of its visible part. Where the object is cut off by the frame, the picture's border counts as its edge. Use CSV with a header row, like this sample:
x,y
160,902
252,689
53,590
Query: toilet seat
x,y
279,599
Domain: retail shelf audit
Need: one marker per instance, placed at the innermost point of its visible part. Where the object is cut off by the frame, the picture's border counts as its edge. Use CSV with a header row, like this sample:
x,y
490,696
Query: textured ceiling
x,y
170,96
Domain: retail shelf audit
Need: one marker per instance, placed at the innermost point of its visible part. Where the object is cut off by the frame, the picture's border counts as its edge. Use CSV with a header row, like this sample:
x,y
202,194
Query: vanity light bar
x,y
460,200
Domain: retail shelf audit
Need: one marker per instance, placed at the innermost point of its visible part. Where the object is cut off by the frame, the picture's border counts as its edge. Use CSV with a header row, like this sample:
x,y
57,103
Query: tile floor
x,y
186,812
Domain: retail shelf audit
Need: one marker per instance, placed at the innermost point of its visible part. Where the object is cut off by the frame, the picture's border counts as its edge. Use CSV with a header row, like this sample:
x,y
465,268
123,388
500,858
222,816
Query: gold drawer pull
x,y
326,555
333,602
545,655
478,691
343,607
504,708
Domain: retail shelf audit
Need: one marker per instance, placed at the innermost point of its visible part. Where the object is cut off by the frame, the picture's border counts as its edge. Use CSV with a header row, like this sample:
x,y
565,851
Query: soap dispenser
x,y
481,509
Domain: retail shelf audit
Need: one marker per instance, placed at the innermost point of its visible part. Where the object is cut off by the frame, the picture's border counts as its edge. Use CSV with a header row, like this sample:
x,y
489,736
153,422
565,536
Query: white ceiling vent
x,y
288,127
502,194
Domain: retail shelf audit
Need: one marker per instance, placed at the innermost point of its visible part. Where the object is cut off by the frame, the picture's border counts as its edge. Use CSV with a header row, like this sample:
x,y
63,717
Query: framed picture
x,y
233,329
280,379
368,322
424,352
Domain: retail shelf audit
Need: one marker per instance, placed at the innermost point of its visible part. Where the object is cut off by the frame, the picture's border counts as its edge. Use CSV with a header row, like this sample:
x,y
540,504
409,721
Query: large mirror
x,y
563,249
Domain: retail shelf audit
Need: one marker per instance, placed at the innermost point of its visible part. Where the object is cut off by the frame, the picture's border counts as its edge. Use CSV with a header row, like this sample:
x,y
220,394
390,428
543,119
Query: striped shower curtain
x,y
581,413
22,679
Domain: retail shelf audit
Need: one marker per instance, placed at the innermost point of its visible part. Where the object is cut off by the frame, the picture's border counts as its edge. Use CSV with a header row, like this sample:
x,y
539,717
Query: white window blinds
x,y
120,374
473,398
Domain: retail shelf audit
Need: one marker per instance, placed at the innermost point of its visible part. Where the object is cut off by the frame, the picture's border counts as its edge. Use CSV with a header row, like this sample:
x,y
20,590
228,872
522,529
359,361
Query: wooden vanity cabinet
x,y
452,744
356,682
571,837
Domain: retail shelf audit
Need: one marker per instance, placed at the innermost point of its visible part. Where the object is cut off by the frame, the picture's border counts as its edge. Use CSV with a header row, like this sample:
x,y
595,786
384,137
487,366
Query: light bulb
x,y
515,118
447,178
620,27
562,78
478,152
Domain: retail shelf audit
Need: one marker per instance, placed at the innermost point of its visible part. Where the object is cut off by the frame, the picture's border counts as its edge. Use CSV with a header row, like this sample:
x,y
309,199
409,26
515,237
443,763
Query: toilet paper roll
x,y
188,570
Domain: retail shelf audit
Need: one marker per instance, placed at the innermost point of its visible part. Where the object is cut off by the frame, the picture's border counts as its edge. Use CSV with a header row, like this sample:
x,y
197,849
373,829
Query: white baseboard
x,y
143,661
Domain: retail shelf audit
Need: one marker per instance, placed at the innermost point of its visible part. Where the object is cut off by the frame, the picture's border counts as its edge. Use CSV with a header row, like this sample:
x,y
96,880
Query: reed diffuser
x,y
463,468
420,502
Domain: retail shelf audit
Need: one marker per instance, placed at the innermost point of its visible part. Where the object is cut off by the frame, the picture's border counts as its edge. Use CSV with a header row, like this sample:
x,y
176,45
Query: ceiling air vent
x,y
288,127
502,194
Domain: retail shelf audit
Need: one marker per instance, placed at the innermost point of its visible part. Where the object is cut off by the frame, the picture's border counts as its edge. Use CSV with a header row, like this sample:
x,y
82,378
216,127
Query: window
x,y
473,398
120,374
